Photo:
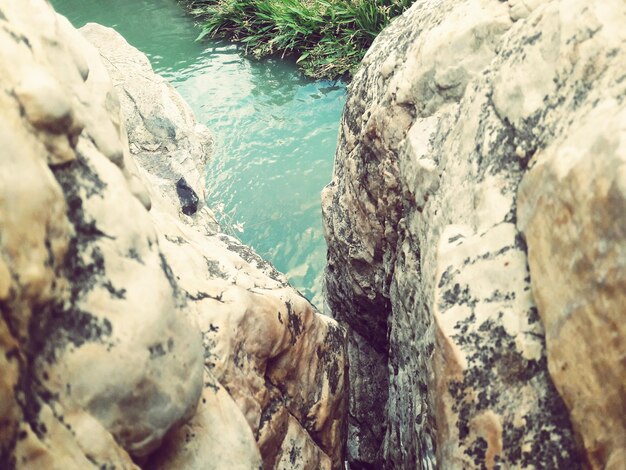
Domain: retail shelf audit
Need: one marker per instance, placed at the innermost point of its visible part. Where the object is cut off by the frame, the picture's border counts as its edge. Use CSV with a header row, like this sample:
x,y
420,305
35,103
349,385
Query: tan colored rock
x,y
35,235
298,451
217,437
490,364
264,343
152,375
571,209
55,444
488,353
100,349
81,325
71,441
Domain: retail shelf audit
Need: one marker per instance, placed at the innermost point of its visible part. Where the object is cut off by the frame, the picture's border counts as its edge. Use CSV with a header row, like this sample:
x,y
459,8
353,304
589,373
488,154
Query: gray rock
x,y
187,196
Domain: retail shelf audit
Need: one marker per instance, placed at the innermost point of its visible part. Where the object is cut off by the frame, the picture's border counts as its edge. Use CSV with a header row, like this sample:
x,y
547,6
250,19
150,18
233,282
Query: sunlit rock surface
x,y
134,334
165,139
475,224
86,292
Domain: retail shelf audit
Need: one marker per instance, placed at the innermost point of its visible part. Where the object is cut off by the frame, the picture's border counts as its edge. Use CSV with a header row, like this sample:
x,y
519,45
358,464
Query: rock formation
x,y
477,237
132,333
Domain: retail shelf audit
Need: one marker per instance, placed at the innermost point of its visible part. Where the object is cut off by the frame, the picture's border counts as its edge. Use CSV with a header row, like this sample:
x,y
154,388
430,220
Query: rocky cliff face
x,y
133,333
477,241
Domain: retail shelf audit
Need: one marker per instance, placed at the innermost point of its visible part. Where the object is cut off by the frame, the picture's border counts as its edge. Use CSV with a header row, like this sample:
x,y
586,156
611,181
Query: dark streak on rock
x,y
134,255
156,350
203,295
294,453
294,323
188,198
176,240
117,293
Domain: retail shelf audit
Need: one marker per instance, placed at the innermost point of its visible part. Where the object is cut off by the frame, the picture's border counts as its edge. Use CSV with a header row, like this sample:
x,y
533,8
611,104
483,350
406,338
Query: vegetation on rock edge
x,y
328,37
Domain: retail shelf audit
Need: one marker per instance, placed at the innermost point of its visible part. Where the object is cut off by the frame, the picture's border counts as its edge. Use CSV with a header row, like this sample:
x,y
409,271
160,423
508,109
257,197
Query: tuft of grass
x,y
327,37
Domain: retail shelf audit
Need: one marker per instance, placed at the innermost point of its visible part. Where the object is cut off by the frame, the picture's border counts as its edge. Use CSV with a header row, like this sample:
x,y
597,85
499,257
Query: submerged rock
x,y
133,334
474,224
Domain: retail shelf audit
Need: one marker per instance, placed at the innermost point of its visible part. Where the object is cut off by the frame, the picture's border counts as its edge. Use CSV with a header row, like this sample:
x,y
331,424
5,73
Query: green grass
x,y
327,37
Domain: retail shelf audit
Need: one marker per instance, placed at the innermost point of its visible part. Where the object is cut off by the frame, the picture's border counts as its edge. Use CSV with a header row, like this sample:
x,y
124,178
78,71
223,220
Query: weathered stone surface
x,y
455,101
88,293
571,208
217,437
166,142
264,343
127,332
368,399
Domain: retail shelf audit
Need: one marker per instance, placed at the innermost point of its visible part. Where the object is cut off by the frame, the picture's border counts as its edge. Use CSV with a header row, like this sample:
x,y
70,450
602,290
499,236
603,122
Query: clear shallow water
x,y
275,131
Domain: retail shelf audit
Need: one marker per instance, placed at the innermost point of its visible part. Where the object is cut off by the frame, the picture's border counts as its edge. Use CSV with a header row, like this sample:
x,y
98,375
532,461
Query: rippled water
x,y
275,131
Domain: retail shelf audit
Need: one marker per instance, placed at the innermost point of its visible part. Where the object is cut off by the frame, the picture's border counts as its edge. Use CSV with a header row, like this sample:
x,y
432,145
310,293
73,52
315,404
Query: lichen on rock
x,y
466,248
134,334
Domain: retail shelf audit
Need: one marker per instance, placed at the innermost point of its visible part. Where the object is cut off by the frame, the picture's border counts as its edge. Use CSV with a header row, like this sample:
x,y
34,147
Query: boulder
x,y
475,237
570,208
265,346
86,291
134,334
165,140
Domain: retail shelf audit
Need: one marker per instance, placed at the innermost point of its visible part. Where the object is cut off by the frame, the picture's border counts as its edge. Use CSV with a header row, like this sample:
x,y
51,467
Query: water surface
x,y
275,131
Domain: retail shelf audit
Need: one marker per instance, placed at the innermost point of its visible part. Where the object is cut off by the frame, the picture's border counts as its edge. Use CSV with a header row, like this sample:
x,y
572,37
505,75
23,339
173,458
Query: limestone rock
x,y
487,360
81,265
101,300
217,437
266,346
282,363
571,210
166,142
275,381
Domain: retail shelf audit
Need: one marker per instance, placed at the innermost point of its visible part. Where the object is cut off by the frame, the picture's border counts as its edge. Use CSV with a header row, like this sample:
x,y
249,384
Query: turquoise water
x,y
275,131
